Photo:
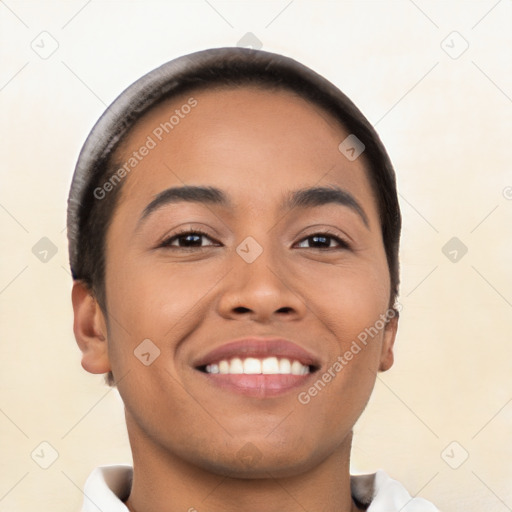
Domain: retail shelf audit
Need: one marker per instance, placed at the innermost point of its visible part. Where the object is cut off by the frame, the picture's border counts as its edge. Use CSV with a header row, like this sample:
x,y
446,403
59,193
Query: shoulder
x,y
381,493
107,487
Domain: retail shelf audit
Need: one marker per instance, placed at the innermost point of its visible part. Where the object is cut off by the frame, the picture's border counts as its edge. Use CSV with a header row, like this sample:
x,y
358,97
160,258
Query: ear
x,y
90,329
386,355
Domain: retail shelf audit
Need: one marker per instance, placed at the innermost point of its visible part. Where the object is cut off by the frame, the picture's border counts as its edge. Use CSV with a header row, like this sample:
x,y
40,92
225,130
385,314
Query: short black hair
x,y
88,217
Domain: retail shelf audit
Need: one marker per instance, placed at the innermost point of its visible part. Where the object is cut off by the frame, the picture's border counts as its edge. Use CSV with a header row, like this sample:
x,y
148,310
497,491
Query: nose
x,y
262,291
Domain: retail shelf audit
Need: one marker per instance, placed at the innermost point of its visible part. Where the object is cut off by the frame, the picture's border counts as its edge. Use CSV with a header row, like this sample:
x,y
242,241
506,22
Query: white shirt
x,y
108,486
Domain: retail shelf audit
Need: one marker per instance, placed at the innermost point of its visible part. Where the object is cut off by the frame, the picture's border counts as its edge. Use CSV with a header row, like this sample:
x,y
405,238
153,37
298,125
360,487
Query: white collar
x,y
108,486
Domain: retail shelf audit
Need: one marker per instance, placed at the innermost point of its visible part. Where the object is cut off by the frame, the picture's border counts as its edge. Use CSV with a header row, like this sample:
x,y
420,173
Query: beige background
x,y
447,125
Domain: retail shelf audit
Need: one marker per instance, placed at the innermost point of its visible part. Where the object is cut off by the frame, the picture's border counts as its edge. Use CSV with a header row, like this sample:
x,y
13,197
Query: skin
x,y
186,436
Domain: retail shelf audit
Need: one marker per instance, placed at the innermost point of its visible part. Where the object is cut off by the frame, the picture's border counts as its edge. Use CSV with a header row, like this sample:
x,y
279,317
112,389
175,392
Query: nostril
x,y
241,309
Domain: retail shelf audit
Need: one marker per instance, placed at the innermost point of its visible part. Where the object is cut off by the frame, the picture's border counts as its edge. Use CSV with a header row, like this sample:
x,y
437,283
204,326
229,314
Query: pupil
x,y
321,238
197,237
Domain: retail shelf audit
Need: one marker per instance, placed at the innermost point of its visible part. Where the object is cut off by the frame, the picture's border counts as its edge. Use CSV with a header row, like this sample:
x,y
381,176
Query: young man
x,y
233,229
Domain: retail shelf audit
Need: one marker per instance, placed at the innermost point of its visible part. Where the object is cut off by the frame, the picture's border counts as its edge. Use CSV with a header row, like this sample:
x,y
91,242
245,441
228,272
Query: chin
x,y
251,463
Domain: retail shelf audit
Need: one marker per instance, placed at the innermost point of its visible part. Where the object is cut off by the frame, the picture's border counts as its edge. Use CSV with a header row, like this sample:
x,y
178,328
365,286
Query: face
x,y
190,276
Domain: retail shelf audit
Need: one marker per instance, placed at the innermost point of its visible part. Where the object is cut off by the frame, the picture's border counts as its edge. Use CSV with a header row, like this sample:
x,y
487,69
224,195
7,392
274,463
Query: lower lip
x,y
258,385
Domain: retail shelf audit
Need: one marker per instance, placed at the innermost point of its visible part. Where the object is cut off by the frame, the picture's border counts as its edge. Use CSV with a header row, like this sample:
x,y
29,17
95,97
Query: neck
x,y
164,482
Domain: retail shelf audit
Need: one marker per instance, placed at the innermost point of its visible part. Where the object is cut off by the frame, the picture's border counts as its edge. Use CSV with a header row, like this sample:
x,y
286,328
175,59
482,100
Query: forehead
x,y
247,140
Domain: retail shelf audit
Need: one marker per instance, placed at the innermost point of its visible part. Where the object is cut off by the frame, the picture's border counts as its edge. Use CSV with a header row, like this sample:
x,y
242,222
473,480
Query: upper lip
x,y
259,348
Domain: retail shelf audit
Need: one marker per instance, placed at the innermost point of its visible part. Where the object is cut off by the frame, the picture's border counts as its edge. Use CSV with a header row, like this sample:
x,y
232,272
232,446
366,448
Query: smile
x,y
255,366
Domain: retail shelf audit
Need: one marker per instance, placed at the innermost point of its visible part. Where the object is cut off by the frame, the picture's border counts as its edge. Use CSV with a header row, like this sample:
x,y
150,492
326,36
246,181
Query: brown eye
x,y
186,240
323,241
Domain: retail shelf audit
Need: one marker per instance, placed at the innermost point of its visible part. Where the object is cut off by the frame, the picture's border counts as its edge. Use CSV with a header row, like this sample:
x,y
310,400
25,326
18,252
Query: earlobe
x,y
89,327
386,356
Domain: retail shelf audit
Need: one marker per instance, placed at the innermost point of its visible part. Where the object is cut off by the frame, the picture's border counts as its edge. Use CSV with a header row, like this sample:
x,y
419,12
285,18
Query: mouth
x,y
258,367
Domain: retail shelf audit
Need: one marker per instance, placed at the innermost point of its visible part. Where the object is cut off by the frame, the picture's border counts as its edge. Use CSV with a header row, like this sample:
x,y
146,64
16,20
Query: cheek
x,y
349,297
349,302
154,300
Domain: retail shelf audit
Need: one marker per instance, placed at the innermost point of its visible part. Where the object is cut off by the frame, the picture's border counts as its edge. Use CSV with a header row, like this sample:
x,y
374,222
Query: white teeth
x,y
253,366
224,367
270,366
235,366
285,366
297,368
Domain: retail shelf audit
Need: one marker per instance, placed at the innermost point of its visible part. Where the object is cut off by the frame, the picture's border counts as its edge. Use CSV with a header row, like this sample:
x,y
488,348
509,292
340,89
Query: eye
x,y
186,239
193,239
323,241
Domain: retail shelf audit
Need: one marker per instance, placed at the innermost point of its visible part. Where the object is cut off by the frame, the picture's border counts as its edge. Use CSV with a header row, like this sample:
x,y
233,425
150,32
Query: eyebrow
x,y
318,196
302,198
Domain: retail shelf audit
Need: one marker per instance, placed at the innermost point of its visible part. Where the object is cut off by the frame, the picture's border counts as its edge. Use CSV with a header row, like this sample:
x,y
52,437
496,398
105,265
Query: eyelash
x,y
343,244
